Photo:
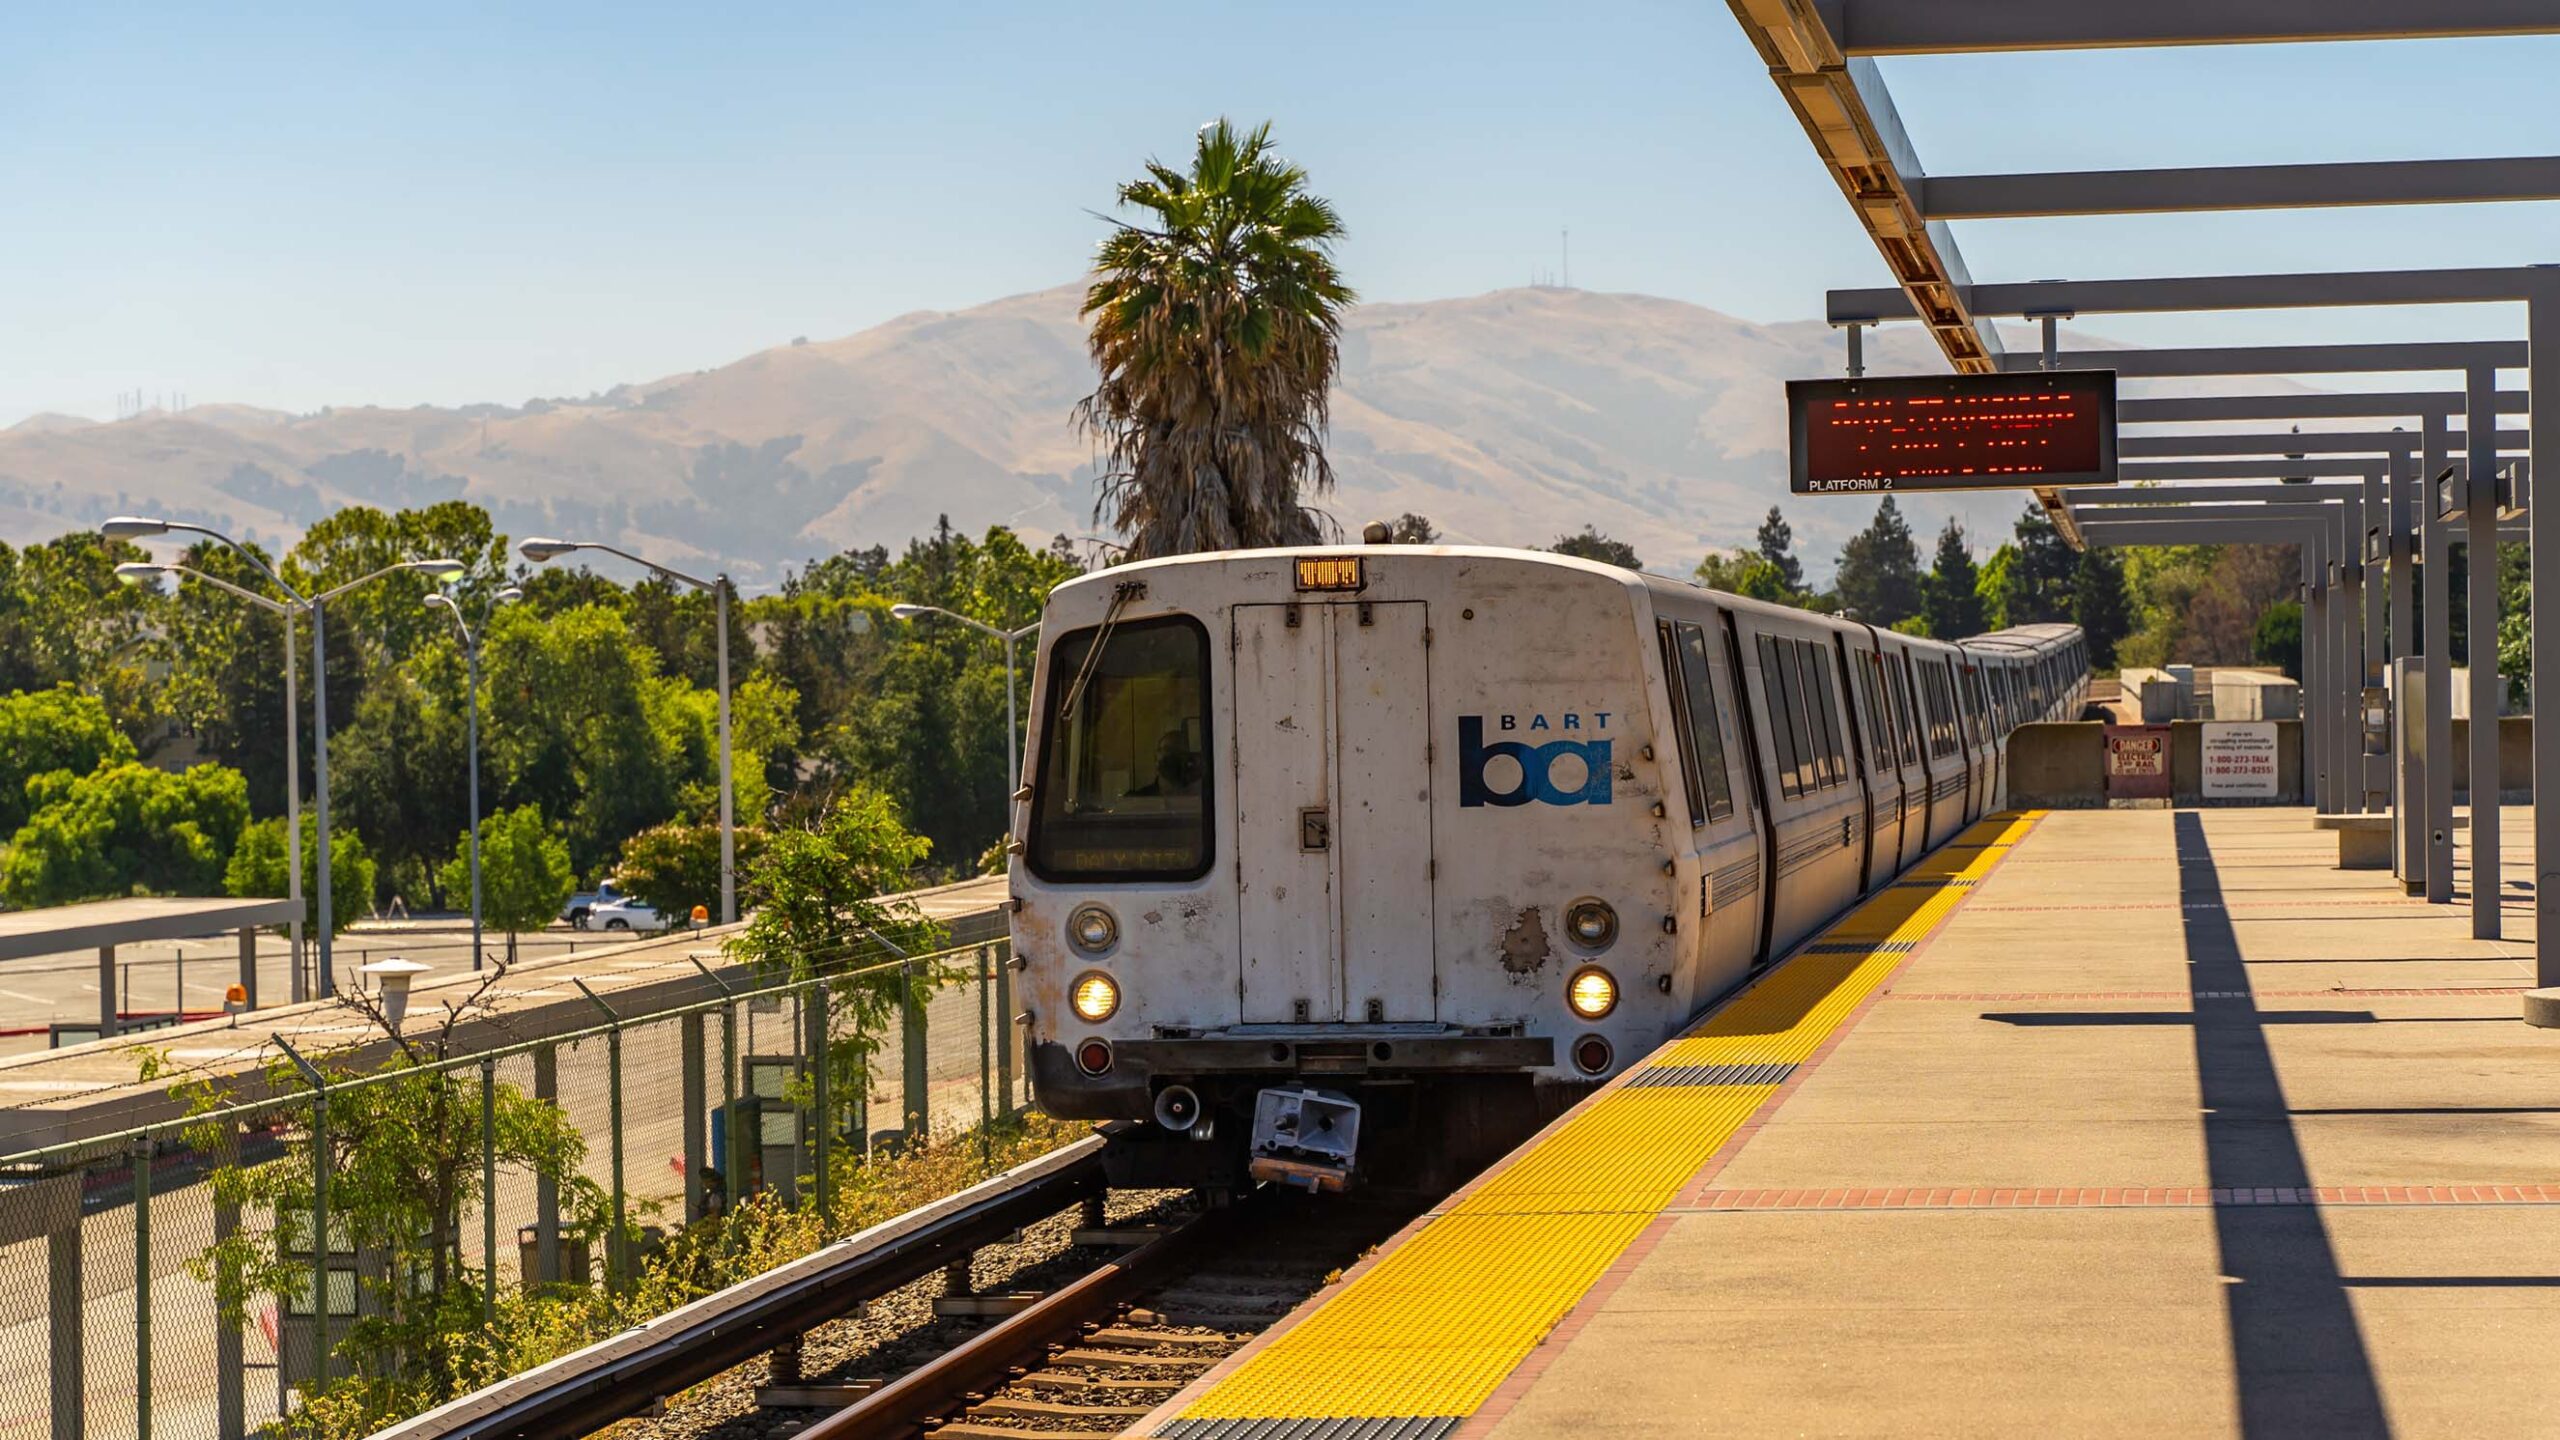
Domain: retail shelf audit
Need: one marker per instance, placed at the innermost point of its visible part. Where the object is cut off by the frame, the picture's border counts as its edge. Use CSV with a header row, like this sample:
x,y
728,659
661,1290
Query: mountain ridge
x,y
1510,417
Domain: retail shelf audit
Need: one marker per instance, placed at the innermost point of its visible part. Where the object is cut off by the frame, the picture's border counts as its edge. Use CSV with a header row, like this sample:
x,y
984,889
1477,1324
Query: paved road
x,y
40,990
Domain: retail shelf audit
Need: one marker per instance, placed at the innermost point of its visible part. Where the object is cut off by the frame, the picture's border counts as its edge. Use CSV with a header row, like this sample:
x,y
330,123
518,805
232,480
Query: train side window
x,y
1827,686
1681,724
1706,723
1879,727
1943,738
1782,740
1817,745
1906,720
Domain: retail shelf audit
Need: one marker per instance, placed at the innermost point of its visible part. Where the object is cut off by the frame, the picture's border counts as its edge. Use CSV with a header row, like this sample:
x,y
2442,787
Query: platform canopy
x,y
101,924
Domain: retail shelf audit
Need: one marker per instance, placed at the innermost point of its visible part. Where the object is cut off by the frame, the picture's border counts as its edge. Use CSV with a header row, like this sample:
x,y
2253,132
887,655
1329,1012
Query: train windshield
x,y
1124,781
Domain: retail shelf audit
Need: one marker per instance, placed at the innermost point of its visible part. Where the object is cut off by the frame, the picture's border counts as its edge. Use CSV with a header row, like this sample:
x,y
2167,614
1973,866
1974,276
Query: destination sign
x,y
1951,432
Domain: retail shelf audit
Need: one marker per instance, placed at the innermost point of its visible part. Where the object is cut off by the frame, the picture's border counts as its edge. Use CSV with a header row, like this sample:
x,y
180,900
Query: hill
x,y
1508,418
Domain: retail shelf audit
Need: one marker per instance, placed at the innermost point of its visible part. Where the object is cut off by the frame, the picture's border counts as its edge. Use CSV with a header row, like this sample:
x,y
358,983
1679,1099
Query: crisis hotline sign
x,y
1951,432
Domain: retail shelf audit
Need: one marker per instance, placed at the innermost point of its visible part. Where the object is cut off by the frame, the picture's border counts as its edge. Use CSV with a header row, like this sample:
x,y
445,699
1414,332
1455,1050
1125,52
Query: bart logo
x,y
1537,765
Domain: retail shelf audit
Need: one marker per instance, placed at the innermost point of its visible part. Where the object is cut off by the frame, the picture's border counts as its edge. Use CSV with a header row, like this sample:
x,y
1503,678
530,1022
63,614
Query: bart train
x,y
1366,859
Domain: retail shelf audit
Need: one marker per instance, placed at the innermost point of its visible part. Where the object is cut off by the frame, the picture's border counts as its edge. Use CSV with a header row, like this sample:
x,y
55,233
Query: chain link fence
x,y
117,1254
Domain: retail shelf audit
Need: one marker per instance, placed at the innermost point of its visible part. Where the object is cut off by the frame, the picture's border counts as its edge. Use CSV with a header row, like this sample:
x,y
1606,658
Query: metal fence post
x,y
615,1261
821,1098
914,1077
230,1349
1004,1027
142,1288
546,1187
986,1063
320,1345
66,1305
489,1192
696,1124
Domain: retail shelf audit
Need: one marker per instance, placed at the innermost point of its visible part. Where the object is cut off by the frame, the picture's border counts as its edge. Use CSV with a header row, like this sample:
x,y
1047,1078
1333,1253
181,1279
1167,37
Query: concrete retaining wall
x,y
2062,765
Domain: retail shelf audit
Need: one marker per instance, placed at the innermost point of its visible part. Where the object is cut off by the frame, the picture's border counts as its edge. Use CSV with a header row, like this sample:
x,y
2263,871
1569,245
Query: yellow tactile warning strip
x,y
1411,1347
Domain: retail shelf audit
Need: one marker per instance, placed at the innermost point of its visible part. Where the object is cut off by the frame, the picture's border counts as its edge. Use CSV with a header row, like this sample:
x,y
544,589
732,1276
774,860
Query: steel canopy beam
x,y
2342,406
2239,187
2312,468
1942,27
2288,359
2082,497
2317,442
2318,289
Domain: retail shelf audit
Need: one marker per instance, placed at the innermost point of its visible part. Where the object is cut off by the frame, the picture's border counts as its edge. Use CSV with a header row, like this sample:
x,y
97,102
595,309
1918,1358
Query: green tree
x,y
579,721
1411,529
2099,605
43,731
1991,587
1879,580
2035,586
2279,637
820,886
1917,625
1951,597
1776,544
1763,581
258,867
676,866
399,775
405,1156
524,872
124,829
227,667
1215,323
1592,545
1723,569
66,619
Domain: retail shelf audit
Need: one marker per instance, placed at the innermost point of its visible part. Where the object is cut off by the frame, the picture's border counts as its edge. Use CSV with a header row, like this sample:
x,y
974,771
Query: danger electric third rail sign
x,y
1951,432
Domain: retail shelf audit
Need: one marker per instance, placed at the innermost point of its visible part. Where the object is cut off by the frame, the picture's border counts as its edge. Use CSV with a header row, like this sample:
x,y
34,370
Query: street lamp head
x,y
138,572
133,527
443,572
538,549
438,600
510,594
903,611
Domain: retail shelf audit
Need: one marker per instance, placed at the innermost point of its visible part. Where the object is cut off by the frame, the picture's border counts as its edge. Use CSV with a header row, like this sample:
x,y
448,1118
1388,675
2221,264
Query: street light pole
x,y
1012,727
293,809
442,570
137,572
471,742
326,977
136,527
541,549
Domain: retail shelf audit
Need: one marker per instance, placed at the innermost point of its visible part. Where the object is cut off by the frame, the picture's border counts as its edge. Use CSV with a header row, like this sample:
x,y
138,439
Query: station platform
x,y
2098,1122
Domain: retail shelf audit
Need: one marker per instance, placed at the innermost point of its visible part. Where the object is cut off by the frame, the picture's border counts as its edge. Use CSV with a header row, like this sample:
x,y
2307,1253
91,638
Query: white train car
x,y
1358,858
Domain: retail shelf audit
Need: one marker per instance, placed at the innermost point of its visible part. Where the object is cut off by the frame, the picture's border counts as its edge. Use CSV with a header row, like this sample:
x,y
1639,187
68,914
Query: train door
x,y
1883,759
1874,795
1723,814
1906,744
1333,813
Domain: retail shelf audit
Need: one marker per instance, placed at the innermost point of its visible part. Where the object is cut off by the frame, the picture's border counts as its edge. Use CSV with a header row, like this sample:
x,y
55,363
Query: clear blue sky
x,y
298,206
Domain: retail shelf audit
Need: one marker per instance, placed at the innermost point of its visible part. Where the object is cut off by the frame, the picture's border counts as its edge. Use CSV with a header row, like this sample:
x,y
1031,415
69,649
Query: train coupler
x,y
1305,1137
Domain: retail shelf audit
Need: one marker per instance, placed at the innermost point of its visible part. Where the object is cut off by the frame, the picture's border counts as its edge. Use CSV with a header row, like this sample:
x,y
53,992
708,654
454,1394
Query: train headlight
x,y
1591,992
1095,996
1091,929
1591,923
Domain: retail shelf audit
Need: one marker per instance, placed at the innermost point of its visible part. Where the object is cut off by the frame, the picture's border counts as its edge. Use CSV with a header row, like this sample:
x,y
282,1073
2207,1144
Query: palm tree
x,y
1216,325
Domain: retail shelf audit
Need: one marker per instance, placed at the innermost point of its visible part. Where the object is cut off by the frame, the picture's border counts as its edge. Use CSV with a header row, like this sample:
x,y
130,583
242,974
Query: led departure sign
x,y
1951,432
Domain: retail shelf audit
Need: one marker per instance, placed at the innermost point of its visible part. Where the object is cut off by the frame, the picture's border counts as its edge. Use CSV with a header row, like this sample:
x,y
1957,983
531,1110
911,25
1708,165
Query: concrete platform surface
x,y
2164,1125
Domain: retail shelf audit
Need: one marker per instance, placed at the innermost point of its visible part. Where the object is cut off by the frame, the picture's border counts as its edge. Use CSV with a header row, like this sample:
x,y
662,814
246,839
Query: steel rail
x,y
941,1387
614,1379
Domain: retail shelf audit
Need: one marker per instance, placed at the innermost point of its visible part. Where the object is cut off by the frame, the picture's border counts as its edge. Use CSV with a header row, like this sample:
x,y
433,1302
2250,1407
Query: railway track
x,y
1103,1350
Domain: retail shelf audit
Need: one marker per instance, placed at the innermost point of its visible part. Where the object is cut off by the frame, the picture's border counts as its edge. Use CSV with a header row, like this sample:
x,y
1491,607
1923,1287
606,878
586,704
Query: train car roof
x,y
2030,637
